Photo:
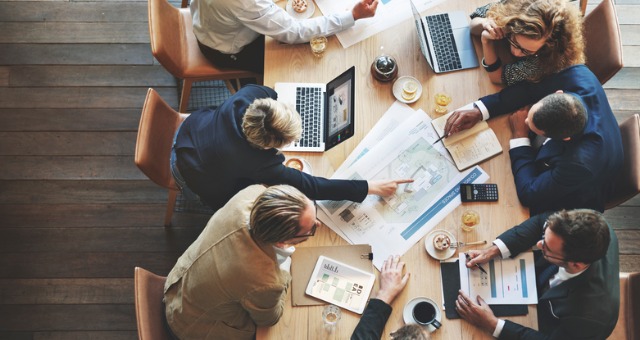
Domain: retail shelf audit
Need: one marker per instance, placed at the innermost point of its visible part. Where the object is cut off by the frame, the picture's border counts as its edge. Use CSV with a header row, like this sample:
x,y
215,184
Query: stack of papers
x,y
399,146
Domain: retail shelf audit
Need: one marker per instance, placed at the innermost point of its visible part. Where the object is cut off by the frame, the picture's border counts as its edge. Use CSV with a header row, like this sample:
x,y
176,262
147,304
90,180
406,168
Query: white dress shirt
x,y
229,25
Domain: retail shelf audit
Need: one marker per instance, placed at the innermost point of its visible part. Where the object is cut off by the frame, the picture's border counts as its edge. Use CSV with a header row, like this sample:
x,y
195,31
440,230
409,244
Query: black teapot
x,y
384,68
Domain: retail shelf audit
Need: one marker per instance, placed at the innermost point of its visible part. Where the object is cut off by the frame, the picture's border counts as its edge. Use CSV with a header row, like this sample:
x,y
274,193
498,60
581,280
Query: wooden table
x,y
295,63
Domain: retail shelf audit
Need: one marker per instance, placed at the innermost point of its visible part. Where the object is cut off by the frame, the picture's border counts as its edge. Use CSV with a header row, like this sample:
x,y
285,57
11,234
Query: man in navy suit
x,y
577,272
581,151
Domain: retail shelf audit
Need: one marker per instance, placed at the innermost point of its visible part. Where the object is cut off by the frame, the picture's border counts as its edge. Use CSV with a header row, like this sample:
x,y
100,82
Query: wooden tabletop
x,y
296,63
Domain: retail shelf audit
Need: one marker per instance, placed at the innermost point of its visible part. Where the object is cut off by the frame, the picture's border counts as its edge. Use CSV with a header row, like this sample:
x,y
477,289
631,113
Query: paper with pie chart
x,y
509,281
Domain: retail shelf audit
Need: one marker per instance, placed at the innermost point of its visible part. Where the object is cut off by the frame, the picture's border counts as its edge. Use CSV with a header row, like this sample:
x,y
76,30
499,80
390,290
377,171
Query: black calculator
x,y
479,192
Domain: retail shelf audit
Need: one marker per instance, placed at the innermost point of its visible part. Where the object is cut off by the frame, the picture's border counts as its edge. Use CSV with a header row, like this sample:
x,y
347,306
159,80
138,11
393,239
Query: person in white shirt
x,y
576,272
230,32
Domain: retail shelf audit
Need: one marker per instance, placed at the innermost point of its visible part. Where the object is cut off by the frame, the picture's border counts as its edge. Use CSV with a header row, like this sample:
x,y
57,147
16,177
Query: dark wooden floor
x,y
76,215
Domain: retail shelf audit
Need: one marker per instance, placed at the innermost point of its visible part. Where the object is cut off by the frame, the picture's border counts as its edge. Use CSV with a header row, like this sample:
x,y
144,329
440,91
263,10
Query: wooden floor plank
x,y
82,265
72,192
627,78
69,168
46,119
629,241
62,143
623,217
79,335
67,317
631,56
74,32
70,11
630,263
66,291
74,75
76,54
628,14
93,215
111,239
627,100
82,97
630,34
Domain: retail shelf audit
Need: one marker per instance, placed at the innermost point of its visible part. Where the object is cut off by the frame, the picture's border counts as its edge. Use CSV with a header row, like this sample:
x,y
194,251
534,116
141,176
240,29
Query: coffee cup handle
x,y
436,324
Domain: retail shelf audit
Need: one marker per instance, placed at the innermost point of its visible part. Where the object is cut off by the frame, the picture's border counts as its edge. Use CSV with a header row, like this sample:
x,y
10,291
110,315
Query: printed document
x,y
340,284
388,14
392,225
509,281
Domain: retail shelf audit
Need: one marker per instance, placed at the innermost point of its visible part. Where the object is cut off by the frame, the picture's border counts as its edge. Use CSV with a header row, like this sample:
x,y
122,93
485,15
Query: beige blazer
x,y
225,284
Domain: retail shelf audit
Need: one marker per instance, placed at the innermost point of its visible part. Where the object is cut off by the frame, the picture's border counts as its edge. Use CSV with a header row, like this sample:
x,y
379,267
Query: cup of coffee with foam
x,y
425,312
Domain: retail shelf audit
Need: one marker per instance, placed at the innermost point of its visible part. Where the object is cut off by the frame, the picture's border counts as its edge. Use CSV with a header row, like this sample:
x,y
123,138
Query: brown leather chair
x,y
627,185
149,291
176,48
603,45
628,326
158,124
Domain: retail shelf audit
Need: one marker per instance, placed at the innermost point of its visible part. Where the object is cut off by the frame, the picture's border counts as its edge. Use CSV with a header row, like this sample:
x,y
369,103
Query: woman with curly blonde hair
x,y
544,37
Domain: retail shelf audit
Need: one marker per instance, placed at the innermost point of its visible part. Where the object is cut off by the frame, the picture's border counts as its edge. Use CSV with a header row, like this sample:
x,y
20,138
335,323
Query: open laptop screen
x,y
340,104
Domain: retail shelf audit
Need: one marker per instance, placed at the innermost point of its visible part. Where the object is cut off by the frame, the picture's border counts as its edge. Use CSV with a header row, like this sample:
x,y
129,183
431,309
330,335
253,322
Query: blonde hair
x,y
271,124
556,21
275,216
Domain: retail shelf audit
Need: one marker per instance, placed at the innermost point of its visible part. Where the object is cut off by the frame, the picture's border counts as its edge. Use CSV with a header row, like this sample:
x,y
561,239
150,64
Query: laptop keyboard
x,y
308,104
444,44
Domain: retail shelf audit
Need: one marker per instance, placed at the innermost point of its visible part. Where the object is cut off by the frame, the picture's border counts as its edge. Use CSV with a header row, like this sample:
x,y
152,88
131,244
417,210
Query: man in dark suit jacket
x,y
576,164
213,156
579,288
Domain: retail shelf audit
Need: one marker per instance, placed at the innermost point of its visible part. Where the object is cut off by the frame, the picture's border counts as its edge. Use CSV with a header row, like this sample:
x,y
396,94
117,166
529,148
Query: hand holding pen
x,y
477,265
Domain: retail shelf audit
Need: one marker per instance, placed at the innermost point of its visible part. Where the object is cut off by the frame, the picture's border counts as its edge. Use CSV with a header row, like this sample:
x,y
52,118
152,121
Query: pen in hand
x,y
477,265
439,139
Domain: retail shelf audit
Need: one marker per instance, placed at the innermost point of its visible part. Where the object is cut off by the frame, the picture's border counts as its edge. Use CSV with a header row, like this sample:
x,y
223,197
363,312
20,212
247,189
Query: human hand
x,y
461,120
392,282
519,127
364,9
478,314
386,187
491,31
482,256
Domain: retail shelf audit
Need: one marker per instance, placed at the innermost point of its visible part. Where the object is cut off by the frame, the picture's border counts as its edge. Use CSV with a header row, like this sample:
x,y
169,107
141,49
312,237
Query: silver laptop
x,y
327,111
445,40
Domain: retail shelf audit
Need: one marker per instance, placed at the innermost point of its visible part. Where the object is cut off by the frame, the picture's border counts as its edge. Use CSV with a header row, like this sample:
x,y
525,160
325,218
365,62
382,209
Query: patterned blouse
x,y
522,69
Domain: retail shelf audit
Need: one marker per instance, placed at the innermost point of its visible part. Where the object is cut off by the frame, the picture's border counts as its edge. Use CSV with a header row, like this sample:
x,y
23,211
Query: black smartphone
x,y
479,192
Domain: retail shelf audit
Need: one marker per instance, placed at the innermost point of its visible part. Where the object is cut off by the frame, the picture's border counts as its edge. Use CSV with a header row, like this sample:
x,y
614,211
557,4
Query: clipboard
x,y
450,272
304,259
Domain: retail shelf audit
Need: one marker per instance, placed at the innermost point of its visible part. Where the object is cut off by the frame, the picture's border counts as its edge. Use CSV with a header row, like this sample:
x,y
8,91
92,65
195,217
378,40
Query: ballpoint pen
x,y
477,265
439,139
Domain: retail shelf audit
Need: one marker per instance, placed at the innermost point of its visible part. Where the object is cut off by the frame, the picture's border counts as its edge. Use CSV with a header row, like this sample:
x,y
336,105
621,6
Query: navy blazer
x,y
583,307
565,174
216,161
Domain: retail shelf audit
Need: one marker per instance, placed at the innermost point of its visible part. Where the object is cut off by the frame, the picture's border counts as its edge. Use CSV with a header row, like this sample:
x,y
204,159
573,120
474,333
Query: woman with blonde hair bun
x,y
544,37
218,152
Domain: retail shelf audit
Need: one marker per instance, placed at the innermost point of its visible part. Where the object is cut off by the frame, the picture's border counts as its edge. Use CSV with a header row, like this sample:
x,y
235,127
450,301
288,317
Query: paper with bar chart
x,y
509,281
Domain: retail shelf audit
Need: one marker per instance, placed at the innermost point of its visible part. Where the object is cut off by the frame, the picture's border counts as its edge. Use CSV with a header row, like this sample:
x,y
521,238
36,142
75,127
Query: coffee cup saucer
x,y
397,89
407,312
304,15
435,253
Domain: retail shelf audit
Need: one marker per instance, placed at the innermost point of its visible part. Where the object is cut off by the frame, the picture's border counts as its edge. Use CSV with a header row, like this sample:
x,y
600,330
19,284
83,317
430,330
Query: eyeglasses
x,y
515,44
309,234
545,250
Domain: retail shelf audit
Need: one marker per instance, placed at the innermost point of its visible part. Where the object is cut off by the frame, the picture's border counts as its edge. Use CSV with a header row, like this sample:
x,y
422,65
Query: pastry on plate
x,y
441,242
299,5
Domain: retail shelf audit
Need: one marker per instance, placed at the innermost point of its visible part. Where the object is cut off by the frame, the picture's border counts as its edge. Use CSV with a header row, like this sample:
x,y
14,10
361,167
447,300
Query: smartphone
x,y
479,192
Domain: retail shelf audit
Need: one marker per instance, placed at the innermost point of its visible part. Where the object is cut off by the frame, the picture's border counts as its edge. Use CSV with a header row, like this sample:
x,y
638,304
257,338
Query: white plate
x,y
439,254
311,8
397,89
407,312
